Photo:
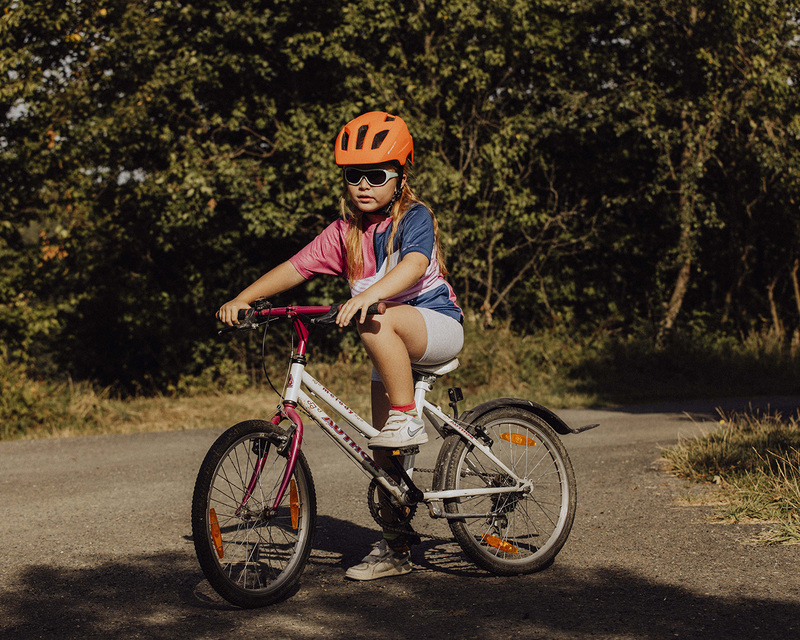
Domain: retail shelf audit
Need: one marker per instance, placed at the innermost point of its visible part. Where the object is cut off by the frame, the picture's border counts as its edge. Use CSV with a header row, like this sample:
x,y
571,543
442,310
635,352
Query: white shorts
x,y
445,339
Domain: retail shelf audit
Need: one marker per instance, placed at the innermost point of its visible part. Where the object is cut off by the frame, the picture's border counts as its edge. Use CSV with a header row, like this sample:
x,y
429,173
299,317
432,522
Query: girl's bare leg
x,y
393,340
380,413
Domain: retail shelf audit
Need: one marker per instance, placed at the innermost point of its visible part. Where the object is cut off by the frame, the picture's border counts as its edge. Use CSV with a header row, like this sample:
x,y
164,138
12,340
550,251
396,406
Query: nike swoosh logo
x,y
415,431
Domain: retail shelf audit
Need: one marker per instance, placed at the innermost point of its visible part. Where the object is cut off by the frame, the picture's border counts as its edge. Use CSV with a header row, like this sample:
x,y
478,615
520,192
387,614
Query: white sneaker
x,y
381,562
401,430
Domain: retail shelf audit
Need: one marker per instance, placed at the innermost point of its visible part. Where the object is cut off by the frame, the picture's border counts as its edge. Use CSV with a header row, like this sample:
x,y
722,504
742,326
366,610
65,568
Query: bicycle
x,y
502,479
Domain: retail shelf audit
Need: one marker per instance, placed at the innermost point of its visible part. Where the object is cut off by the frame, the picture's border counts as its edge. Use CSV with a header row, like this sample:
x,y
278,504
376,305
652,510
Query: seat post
x,y
422,385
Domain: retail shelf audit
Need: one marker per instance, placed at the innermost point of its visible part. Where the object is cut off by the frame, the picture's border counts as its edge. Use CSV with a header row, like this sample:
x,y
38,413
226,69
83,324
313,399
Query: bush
x,y
691,365
228,376
539,366
30,407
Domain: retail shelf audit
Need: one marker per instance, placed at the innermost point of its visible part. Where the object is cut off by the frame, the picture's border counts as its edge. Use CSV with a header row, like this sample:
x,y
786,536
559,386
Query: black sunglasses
x,y
375,177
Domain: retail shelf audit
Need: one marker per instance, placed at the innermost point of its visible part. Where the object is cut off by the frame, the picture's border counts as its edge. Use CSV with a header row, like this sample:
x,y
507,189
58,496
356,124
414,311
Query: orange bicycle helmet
x,y
373,138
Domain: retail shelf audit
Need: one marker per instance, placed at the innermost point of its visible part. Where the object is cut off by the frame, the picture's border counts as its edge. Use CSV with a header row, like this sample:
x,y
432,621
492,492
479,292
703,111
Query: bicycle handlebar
x,y
377,309
319,315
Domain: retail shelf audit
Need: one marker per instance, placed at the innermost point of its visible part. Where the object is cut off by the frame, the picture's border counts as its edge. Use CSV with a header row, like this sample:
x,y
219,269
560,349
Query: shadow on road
x,y
163,596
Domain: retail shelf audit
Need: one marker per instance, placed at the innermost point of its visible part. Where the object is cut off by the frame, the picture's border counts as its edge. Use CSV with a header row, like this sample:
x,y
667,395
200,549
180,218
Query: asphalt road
x,y
95,542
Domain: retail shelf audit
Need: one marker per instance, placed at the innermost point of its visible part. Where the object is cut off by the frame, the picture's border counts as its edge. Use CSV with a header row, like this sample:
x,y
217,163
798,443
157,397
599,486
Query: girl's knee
x,y
371,327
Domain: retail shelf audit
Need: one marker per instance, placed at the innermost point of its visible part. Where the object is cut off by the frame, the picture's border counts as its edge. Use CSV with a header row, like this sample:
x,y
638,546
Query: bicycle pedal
x,y
401,451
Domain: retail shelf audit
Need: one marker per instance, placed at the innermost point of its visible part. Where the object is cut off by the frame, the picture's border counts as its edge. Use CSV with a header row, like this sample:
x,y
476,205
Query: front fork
x,y
289,411
296,441
294,451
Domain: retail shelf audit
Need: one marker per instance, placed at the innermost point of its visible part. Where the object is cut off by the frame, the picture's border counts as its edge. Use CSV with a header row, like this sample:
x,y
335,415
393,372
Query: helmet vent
x,y
377,141
362,133
389,118
345,140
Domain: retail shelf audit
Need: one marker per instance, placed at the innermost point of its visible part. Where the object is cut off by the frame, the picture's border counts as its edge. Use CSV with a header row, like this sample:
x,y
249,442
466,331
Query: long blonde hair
x,y
355,230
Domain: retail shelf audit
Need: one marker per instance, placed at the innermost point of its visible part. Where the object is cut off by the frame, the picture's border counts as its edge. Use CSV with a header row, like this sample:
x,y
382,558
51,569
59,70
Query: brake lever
x,y
238,327
328,318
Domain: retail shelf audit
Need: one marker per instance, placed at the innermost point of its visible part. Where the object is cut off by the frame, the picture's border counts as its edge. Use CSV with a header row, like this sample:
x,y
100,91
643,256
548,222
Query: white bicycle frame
x,y
298,377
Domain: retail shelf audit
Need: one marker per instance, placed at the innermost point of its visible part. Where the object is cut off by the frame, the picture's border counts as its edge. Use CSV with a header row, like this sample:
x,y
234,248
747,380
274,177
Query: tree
x,y
140,142
587,161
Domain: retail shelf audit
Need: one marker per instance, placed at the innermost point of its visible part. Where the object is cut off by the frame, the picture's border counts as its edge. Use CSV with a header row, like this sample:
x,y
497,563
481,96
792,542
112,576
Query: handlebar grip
x,y
376,309
246,315
246,321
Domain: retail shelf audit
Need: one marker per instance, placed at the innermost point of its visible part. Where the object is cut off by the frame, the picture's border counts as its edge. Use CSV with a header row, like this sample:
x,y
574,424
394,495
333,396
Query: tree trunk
x,y
777,325
795,284
694,153
486,307
675,301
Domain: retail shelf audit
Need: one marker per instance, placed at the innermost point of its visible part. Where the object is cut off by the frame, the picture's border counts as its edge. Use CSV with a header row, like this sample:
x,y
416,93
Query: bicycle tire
x,y
252,559
526,530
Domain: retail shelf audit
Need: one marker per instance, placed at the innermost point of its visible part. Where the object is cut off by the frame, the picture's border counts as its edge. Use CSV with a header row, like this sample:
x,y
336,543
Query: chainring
x,y
381,504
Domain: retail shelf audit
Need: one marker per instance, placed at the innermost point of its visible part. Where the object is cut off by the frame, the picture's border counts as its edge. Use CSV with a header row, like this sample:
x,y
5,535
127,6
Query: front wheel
x,y
520,531
252,556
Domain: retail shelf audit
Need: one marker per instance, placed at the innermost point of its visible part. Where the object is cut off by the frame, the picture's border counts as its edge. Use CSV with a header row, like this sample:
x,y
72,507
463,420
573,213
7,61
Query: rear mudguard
x,y
543,412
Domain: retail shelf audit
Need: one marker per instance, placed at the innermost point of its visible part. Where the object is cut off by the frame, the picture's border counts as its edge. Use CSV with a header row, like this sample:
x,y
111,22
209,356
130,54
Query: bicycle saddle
x,y
436,369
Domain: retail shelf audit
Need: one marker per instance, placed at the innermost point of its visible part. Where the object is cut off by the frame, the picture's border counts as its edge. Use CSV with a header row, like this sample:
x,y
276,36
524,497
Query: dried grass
x,y
755,461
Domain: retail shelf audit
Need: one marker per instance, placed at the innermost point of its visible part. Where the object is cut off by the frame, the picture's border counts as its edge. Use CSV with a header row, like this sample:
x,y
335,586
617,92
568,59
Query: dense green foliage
x,y
593,163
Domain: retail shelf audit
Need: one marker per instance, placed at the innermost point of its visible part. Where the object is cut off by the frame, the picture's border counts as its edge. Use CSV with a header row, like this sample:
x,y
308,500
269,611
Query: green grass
x,y
755,461
554,367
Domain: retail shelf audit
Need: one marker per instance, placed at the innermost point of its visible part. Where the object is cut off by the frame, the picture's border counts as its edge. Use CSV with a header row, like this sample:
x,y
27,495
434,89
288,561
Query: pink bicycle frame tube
x,y
297,440
302,335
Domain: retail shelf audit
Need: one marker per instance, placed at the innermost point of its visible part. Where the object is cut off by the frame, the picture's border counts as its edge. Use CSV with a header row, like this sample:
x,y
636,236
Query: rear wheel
x,y
251,555
519,531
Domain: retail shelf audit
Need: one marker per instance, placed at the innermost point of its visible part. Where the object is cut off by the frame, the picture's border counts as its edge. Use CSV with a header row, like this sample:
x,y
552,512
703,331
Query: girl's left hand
x,y
355,305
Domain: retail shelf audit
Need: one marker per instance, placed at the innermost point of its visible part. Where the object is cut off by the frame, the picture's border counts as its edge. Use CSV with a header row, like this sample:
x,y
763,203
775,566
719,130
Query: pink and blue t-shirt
x,y
326,255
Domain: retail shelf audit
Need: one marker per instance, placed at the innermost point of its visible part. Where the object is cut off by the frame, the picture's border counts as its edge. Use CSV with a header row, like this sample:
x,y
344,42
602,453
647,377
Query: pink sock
x,y
410,409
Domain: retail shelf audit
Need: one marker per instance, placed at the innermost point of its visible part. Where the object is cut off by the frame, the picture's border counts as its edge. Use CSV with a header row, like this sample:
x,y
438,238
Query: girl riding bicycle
x,y
387,245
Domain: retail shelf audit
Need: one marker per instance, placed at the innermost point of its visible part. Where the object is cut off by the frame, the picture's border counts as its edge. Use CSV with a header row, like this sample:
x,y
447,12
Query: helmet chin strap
x,y
387,210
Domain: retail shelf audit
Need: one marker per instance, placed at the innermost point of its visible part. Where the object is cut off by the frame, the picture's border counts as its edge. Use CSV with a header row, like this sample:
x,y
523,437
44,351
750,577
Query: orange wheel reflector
x,y
518,438
497,543
216,534
294,505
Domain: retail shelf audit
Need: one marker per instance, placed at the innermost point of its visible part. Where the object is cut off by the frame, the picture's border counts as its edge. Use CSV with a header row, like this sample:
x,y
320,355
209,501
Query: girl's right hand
x,y
229,312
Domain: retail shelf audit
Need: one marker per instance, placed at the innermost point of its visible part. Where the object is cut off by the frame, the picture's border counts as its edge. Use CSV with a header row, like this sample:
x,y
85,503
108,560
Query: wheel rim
x,y
258,548
525,524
